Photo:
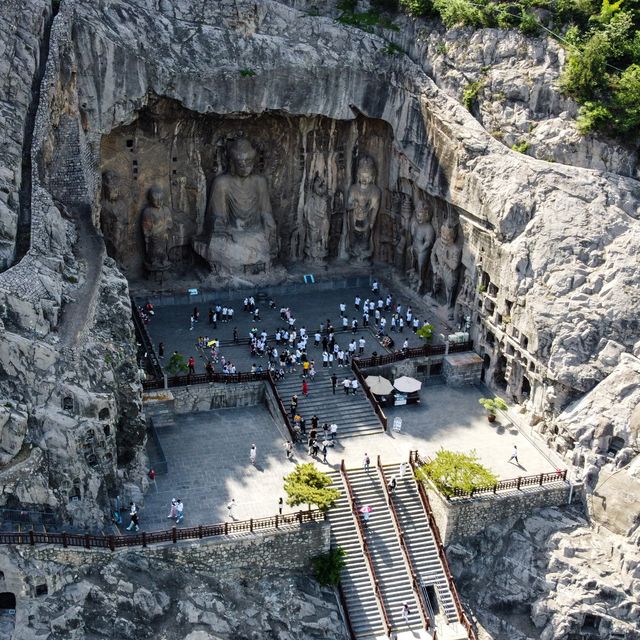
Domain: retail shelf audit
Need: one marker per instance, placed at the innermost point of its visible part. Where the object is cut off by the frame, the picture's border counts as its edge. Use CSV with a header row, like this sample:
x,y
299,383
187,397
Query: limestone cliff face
x,y
559,240
543,575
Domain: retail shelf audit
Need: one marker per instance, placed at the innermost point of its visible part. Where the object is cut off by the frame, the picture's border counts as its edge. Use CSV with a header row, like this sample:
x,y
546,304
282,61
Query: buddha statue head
x,y
366,171
242,156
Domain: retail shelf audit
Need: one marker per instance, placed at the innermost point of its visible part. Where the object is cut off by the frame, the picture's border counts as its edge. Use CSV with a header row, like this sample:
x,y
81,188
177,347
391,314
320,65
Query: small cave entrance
x,y
7,602
486,363
615,445
526,388
499,375
104,414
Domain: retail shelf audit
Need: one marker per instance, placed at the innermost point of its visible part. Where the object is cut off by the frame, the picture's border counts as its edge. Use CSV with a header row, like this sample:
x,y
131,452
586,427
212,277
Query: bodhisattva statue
x,y
423,236
402,235
317,220
363,204
114,216
157,226
445,262
243,231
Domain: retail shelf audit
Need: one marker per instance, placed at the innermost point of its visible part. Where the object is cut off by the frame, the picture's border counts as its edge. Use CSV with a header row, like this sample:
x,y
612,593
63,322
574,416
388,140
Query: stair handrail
x,y
287,422
365,388
365,550
403,547
426,505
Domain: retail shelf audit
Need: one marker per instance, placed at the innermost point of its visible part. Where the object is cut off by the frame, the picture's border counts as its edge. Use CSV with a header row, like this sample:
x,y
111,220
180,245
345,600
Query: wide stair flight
x,y
391,560
353,414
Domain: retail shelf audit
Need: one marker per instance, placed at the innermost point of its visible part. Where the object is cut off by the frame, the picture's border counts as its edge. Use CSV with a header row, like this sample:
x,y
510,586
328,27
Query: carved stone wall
x,y
182,152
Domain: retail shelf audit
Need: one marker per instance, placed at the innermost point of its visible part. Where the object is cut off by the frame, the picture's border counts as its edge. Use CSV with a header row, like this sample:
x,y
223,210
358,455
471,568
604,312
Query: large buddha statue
x,y
242,229
363,204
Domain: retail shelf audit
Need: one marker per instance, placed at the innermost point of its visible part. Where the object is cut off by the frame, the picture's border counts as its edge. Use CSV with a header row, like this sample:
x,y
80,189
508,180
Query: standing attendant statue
x,y
423,236
114,216
363,205
157,224
317,222
445,262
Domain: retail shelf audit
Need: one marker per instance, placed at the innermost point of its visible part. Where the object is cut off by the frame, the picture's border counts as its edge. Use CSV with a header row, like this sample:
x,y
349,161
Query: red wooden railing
x,y
146,538
372,399
462,616
537,480
365,550
415,352
403,547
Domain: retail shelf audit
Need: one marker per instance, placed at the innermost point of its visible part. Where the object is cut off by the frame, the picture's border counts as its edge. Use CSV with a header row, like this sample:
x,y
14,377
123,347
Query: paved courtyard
x,y
208,453
171,323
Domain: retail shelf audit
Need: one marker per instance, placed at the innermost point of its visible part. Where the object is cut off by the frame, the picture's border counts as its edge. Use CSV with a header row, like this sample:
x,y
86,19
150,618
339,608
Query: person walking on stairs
x,y
334,382
406,612
366,462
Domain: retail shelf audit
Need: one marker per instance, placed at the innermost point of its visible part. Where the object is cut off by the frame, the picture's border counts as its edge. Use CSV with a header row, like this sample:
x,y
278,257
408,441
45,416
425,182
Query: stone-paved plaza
x,y
208,452
310,307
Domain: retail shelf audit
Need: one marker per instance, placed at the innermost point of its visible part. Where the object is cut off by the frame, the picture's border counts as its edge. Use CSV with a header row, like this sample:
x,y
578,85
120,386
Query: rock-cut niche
x,y
183,190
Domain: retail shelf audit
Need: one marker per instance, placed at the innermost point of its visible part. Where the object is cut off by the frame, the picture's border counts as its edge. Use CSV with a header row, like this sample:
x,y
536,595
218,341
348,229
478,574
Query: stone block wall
x,y
462,369
460,518
261,553
203,397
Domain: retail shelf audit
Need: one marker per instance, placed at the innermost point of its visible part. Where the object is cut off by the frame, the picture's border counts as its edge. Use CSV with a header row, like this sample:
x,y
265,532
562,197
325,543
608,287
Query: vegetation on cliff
x,y
602,39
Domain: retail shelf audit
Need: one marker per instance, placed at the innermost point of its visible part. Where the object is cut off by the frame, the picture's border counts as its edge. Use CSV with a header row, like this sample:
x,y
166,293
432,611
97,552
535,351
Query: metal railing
x,y
511,484
415,584
174,534
283,412
426,505
415,352
205,378
365,551
145,339
372,399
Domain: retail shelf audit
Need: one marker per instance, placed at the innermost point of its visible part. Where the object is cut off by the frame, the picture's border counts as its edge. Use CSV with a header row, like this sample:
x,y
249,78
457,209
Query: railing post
x,y
541,478
200,532
251,525
174,536
564,474
87,541
226,528
112,543
300,517
144,539
65,541
32,538
518,483
276,520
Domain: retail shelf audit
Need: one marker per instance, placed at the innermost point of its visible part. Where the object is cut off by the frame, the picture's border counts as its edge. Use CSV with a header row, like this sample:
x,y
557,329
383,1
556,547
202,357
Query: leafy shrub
x,y
493,404
425,332
470,94
176,364
247,72
520,147
451,470
454,12
418,8
327,566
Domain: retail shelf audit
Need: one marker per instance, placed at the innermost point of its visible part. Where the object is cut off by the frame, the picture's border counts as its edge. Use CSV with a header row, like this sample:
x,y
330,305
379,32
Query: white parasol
x,y
378,385
405,384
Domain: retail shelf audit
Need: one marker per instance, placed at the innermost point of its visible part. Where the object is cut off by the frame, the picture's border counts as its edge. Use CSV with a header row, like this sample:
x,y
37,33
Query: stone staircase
x,y
422,546
390,568
354,415
356,582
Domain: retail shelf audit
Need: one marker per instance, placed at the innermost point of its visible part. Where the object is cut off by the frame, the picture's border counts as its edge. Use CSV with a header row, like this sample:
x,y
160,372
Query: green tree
x,y
586,70
327,567
425,332
177,364
626,100
451,470
308,485
493,404
418,8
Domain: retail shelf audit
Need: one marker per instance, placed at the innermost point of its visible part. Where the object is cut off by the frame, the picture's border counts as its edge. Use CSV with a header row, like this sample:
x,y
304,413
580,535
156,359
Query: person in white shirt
x,y
343,308
361,344
354,386
346,385
356,303
316,339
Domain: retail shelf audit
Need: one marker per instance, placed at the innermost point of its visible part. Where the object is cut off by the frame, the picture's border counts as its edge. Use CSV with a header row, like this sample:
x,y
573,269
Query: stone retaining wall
x,y
461,518
261,553
204,397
